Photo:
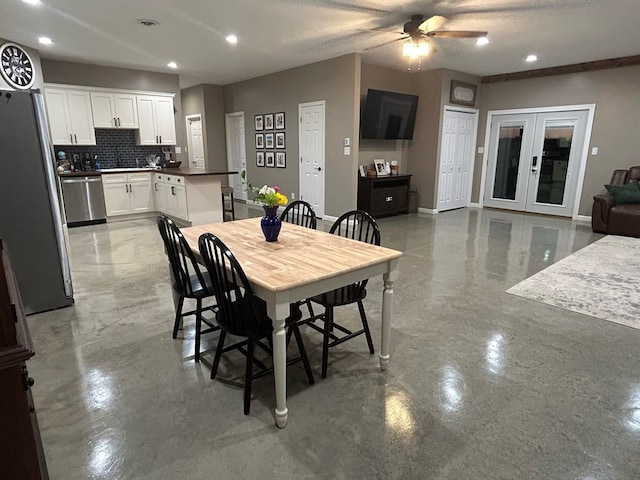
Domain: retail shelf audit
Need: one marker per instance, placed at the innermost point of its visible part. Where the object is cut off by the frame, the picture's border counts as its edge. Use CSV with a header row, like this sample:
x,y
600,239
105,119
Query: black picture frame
x,y
279,121
258,121
268,121
270,159
259,140
462,93
268,140
280,140
259,159
281,160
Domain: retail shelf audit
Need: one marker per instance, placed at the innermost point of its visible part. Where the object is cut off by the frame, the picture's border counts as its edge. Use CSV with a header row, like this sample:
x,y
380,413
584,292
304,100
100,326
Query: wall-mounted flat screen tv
x,y
389,115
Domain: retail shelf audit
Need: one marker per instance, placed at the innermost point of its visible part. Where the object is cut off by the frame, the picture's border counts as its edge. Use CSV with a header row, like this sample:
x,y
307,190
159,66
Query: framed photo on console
x,y
381,170
281,160
280,121
259,159
259,140
269,156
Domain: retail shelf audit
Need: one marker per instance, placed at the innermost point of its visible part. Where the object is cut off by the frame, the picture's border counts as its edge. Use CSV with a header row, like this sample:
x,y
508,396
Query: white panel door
x,y
312,149
456,159
81,117
196,142
126,110
236,152
58,115
165,121
146,118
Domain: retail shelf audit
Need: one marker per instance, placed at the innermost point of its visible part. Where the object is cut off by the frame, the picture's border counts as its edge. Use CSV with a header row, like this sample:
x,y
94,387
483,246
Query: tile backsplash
x,y
115,148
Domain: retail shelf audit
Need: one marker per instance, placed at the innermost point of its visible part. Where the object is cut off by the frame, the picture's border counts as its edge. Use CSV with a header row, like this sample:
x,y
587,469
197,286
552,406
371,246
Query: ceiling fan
x,y
419,31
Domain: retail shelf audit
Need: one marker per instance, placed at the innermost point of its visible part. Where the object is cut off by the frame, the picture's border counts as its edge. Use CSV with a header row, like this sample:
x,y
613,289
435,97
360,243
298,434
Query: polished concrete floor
x,y
482,384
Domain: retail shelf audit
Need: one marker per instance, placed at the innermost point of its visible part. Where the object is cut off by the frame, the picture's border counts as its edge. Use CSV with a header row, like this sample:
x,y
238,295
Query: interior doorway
x,y
236,152
457,152
311,143
195,141
536,159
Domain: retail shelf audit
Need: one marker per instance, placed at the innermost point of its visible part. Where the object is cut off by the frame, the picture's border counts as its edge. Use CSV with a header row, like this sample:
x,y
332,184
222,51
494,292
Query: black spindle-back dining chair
x,y
188,280
301,213
356,225
241,313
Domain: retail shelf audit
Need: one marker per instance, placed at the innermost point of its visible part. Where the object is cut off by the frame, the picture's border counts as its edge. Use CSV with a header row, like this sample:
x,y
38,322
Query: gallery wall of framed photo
x,y
270,138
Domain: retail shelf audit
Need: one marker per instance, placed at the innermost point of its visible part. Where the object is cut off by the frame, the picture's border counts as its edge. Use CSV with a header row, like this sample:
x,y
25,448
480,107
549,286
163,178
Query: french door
x,y
534,160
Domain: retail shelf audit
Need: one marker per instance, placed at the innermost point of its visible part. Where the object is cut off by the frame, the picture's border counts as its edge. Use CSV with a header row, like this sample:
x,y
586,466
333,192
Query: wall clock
x,y
16,66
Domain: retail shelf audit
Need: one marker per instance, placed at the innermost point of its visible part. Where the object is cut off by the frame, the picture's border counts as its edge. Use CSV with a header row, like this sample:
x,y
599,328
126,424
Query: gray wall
x,y
215,127
615,129
71,73
382,78
35,58
208,101
337,82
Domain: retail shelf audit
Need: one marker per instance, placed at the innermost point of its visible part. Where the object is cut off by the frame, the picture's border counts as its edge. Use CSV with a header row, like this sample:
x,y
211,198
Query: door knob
x,y
318,169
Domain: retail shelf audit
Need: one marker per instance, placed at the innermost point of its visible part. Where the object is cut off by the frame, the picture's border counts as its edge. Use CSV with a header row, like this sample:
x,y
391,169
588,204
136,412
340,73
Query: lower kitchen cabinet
x,y
126,193
195,199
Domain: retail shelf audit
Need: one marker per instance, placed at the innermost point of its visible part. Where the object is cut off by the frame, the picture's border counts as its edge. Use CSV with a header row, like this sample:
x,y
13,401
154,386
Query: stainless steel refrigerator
x,y
31,218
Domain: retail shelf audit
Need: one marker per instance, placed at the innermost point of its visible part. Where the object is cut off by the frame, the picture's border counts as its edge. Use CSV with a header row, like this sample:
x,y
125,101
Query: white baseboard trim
x,y
584,218
329,218
427,210
475,205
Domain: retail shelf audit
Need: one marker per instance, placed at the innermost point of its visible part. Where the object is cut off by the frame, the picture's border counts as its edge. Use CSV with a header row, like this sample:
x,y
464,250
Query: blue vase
x,y
270,223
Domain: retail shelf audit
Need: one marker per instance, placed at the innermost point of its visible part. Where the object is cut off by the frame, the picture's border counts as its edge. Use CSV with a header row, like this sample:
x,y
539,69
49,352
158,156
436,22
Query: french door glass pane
x,y
553,166
507,163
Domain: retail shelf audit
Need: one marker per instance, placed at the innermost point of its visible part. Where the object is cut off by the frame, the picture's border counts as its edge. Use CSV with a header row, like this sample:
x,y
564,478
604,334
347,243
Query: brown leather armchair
x,y
607,217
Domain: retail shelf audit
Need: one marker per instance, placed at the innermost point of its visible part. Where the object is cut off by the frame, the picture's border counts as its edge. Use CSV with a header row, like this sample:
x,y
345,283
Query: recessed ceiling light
x,y
45,40
531,58
232,39
482,41
172,65
32,2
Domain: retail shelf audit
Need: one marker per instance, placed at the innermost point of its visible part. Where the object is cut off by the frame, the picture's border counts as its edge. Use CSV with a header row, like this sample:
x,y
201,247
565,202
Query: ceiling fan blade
x,y
385,43
432,23
456,34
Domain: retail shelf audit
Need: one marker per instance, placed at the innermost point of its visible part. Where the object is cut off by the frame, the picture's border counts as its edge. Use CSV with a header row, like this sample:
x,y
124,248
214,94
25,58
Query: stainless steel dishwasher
x,y
83,200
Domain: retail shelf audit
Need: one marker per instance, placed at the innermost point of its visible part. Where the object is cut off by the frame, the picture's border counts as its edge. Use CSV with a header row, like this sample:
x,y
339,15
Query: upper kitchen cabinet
x,y
156,120
114,110
70,117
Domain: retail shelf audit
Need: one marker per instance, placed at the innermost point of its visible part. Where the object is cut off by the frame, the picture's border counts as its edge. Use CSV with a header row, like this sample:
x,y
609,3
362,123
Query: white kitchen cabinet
x,y
127,193
156,120
196,199
70,117
159,192
114,110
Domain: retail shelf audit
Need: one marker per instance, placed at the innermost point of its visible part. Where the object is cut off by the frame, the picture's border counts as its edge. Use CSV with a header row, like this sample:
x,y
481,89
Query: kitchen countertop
x,y
185,172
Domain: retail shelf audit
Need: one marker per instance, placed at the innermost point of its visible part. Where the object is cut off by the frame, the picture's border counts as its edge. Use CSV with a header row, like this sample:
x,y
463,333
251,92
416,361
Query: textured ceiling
x,y
278,34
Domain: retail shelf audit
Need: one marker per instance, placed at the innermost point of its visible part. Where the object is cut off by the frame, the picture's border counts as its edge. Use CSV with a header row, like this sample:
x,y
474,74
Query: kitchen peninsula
x,y
191,196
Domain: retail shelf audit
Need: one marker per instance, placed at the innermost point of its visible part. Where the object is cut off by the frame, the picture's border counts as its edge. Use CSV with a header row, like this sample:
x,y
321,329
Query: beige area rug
x,y
601,280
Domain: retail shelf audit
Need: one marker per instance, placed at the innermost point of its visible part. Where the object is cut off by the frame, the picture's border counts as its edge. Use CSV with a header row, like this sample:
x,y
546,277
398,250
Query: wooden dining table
x,y
300,264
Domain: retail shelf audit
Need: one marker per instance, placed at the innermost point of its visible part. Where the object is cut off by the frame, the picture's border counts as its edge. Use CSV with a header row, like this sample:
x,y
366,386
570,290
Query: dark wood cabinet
x,y
384,196
21,453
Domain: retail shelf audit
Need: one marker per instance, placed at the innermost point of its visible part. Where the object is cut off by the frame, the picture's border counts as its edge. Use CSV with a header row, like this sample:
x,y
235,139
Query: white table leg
x,y
387,312
278,313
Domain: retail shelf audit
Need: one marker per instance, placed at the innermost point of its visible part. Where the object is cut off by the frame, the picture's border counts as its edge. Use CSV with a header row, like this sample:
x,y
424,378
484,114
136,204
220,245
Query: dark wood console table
x,y
21,453
384,196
